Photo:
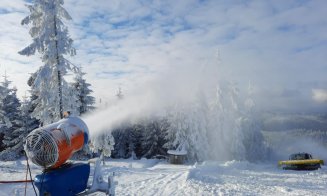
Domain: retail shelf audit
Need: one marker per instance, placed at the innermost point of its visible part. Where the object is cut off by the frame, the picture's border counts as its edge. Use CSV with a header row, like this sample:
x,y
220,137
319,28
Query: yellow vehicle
x,y
301,161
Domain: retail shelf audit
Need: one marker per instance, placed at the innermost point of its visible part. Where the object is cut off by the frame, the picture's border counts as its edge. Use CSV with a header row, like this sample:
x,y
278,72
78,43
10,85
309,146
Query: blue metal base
x,y
65,181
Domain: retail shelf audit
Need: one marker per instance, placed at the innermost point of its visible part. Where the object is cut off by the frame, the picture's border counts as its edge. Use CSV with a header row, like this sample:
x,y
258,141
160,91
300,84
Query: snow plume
x,y
153,97
206,117
129,109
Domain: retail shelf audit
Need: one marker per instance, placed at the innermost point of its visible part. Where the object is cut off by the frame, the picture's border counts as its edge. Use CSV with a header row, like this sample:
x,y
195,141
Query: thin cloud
x,y
319,95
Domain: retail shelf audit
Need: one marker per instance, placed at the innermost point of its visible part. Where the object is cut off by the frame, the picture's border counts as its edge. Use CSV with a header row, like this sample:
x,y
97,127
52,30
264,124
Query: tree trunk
x,y
60,95
59,74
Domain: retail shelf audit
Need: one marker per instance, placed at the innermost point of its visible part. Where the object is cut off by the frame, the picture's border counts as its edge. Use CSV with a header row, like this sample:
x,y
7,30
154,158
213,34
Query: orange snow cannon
x,y
52,145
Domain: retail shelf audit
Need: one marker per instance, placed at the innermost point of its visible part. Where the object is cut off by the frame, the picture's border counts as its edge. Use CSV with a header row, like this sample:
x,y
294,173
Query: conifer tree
x,y
253,141
153,139
188,128
83,91
121,147
178,129
119,94
51,40
225,115
12,129
103,144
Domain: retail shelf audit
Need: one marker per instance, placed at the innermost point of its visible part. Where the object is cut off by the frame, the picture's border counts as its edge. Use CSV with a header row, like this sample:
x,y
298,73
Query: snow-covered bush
x,y
102,144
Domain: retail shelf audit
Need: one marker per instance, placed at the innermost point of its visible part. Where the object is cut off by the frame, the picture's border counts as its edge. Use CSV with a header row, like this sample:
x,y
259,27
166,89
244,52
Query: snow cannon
x,y
52,145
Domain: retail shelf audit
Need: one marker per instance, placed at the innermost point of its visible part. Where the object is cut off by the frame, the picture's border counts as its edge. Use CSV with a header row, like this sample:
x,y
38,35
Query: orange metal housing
x,y
65,151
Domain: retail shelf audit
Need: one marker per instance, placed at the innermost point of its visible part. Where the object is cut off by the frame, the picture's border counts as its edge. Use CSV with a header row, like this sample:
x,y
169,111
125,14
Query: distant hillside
x,y
282,122
284,143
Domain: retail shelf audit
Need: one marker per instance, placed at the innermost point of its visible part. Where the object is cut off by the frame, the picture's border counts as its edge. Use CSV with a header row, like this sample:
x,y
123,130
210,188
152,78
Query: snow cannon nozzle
x,y
66,114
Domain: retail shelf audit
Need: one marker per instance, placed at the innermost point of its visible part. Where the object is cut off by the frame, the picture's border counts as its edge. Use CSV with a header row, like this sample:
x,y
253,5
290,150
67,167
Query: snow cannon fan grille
x,y
41,148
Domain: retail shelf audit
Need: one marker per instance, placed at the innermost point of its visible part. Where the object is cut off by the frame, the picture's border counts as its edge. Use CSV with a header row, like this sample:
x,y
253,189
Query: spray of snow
x,y
231,129
153,97
190,91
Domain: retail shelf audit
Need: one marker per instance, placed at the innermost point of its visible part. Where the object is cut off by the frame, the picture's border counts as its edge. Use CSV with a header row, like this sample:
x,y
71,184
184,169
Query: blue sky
x,y
279,46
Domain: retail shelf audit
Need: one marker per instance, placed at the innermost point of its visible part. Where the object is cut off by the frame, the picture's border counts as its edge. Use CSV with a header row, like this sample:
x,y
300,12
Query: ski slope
x,y
154,177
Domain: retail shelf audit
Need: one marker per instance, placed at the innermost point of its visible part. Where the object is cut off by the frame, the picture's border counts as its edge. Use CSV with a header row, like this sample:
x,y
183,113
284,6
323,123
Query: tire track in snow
x,y
163,179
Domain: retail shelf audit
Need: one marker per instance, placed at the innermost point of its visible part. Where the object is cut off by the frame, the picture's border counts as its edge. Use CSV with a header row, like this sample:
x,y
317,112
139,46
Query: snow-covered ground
x,y
154,177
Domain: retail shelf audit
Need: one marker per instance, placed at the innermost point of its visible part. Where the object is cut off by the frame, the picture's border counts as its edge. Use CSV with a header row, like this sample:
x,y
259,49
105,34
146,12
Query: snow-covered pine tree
x,y
199,121
119,94
135,145
170,134
153,138
253,140
181,125
125,143
150,140
217,126
130,143
4,91
226,136
121,143
34,97
27,124
102,144
1,138
188,128
51,40
119,147
83,91
178,129
12,129
237,149
4,122
70,99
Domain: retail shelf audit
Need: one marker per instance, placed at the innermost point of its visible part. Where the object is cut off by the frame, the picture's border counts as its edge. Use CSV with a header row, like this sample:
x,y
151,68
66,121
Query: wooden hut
x,y
176,156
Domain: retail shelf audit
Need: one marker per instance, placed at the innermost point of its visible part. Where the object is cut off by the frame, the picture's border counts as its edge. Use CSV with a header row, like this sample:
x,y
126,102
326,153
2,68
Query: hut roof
x,y
177,152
